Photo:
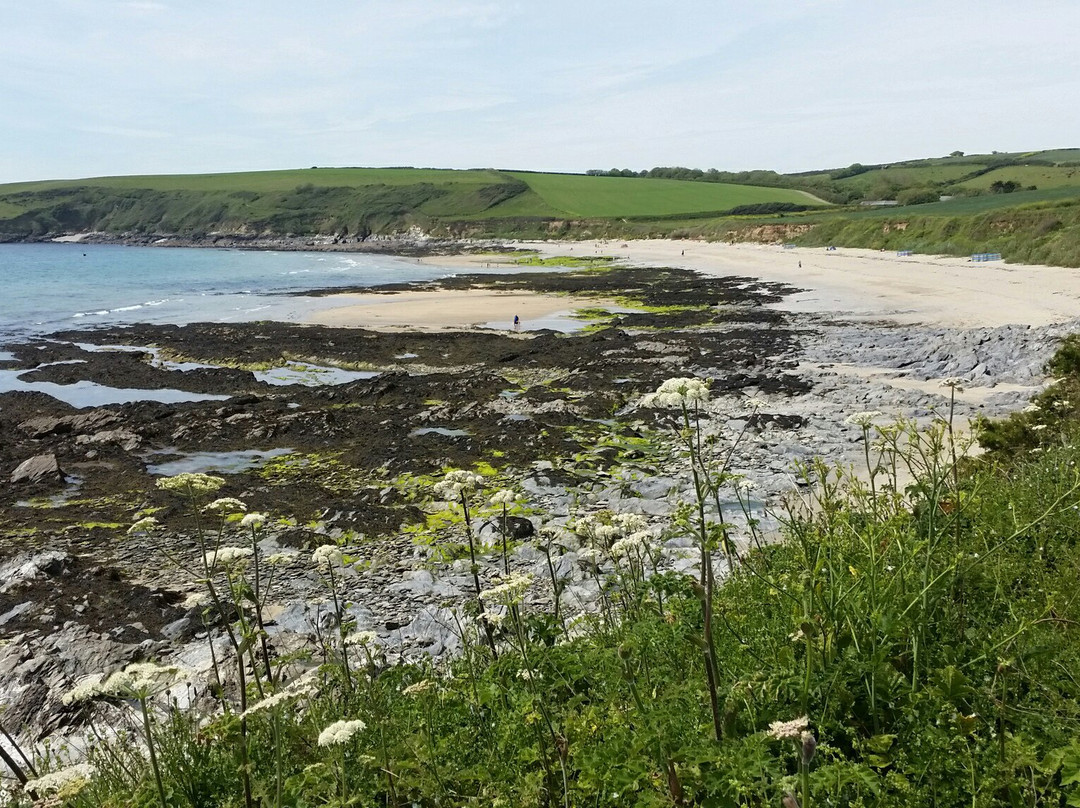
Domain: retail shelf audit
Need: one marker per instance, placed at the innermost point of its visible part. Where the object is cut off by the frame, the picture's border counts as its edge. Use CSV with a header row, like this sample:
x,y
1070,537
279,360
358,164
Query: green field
x,y
271,181
603,197
1039,176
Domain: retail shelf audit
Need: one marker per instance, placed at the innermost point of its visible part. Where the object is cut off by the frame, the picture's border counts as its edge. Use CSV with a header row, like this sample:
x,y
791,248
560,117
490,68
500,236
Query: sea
x,y
59,286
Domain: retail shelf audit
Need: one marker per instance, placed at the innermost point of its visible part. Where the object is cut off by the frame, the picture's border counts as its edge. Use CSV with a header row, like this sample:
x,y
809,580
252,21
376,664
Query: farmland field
x,y
272,181
599,197
1039,176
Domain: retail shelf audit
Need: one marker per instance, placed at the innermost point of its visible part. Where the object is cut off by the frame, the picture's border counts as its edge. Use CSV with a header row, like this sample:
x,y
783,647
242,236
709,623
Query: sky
x,y
103,87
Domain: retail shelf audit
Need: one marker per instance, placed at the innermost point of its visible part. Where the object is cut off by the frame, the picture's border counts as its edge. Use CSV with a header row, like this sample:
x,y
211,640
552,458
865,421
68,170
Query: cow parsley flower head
x,y
635,543
144,525
89,687
680,392
327,556
340,732
137,680
456,484
493,618
191,483
225,506
228,556
253,520
65,783
362,638
589,555
955,382
280,559
863,419
511,590
788,729
306,685
629,522
506,497
755,403
745,486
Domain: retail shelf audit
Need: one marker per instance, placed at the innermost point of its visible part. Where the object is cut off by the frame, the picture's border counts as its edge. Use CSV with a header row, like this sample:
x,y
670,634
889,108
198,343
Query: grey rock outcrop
x,y
37,469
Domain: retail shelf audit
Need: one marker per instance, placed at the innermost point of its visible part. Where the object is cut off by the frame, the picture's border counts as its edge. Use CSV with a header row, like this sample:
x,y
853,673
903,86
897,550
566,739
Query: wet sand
x,y
443,309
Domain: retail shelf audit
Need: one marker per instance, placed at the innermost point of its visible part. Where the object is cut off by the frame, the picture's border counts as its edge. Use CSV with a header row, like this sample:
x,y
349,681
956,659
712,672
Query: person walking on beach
x,y
517,323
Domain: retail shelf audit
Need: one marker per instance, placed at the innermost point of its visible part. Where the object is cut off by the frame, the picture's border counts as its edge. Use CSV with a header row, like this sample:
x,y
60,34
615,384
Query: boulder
x,y
40,468
127,439
44,426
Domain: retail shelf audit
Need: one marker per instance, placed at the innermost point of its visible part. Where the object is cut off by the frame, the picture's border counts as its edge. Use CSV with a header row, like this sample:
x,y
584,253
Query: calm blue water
x,y
48,287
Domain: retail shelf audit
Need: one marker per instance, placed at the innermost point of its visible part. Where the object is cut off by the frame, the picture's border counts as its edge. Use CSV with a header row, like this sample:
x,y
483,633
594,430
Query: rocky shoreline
x,y
412,243
555,416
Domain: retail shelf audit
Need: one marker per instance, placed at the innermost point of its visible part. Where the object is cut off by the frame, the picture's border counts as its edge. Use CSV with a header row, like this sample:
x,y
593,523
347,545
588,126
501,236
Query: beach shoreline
x,y
843,283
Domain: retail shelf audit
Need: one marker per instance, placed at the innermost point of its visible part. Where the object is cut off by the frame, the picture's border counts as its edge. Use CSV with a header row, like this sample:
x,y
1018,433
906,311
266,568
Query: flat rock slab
x,y
40,468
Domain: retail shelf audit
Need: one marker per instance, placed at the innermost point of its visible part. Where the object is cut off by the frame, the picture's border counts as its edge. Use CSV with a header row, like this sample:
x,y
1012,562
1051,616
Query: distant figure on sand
x,y
517,323
800,265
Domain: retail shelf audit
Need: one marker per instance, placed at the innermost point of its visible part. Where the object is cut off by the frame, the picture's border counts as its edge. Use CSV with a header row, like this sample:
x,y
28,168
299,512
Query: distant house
x,y
879,203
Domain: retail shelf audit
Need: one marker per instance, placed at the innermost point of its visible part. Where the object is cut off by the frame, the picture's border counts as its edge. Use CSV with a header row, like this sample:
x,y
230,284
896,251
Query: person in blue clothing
x,y
517,322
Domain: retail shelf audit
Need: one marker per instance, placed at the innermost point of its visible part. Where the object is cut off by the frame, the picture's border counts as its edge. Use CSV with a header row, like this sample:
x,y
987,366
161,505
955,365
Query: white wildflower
x,y
493,618
605,533
955,382
253,520
1032,407
270,702
280,559
89,687
144,525
511,590
326,556
506,497
456,484
306,685
228,556
682,392
225,506
138,680
143,678
1038,427
191,483
340,732
863,419
629,522
634,543
745,486
67,782
788,729
755,403
363,638
589,555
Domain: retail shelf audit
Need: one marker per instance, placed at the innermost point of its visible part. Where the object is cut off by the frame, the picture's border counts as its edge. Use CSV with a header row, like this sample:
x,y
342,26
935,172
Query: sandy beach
x,y
871,285
858,285
440,310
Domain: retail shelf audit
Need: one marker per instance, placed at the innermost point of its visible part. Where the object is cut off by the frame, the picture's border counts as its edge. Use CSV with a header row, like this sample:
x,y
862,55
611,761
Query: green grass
x,y
968,205
1040,176
269,181
920,642
602,197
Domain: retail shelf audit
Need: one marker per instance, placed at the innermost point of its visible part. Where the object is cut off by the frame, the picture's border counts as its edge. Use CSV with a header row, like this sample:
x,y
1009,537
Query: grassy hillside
x,y
585,197
1022,204
351,201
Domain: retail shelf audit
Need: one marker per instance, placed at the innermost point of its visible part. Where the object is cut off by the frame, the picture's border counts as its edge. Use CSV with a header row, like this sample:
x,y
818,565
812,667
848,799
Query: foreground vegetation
x,y
904,645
